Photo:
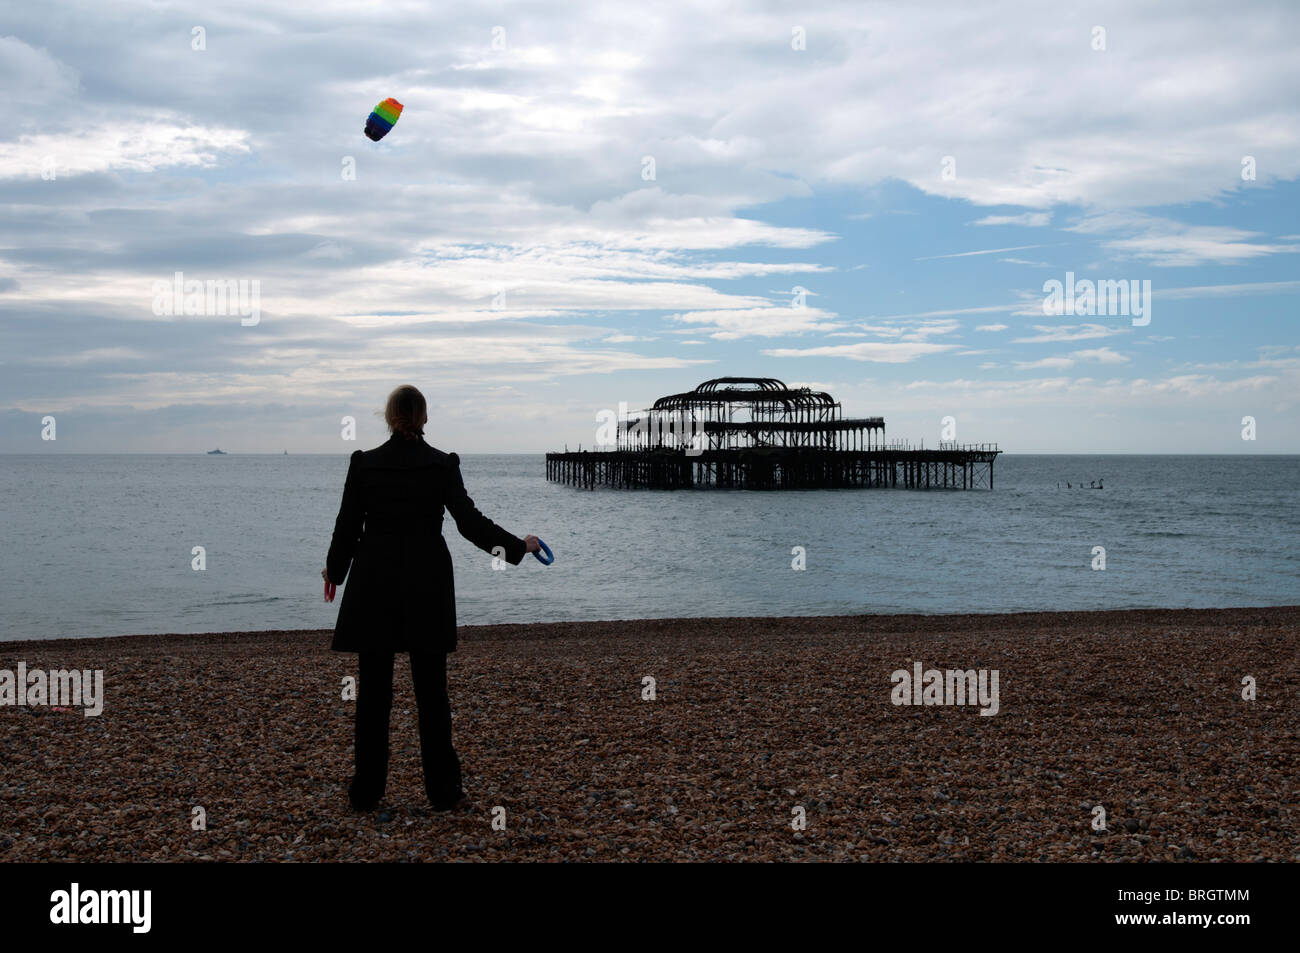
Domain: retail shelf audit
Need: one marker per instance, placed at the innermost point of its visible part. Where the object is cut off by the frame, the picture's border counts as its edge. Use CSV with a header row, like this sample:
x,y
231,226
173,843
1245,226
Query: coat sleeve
x,y
476,527
347,526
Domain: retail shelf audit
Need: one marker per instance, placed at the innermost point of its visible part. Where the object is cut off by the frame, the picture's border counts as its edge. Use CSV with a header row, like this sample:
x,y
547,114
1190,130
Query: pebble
x,y
763,715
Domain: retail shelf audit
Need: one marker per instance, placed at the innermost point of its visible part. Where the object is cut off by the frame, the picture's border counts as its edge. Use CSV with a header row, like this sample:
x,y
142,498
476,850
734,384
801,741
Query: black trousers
x,y
442,781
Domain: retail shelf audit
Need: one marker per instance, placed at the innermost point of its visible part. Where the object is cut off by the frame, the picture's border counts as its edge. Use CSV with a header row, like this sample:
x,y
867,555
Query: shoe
x,y
449,803
361,804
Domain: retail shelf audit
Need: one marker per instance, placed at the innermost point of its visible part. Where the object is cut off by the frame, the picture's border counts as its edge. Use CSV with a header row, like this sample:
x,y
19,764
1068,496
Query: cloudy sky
x,y
588,203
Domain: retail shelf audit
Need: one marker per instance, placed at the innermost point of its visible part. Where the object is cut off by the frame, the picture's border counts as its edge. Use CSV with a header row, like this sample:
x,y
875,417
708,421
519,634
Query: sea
x,y
105,545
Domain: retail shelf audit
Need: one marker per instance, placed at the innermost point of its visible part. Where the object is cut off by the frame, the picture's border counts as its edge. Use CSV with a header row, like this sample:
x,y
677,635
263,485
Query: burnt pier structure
x,y
755,433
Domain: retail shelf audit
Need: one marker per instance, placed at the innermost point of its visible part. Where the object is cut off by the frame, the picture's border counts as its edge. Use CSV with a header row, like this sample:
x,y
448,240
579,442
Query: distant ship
x,y
217,452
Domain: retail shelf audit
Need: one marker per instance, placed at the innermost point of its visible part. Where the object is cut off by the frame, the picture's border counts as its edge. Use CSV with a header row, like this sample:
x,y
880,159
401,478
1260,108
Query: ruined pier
x,y
759,434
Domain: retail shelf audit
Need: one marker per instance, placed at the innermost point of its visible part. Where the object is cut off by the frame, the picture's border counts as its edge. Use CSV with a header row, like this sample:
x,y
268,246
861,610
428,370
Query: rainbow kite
x,y
382,119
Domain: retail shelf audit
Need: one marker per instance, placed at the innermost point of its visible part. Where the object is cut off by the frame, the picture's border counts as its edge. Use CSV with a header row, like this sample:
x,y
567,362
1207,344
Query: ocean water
x,y
99,545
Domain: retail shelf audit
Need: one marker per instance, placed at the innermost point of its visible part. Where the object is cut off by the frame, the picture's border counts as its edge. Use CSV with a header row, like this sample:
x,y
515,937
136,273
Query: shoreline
x,y
865,622
754,721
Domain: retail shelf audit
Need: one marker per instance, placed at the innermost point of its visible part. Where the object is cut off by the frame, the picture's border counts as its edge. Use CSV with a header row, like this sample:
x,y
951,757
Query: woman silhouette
x,y
401,595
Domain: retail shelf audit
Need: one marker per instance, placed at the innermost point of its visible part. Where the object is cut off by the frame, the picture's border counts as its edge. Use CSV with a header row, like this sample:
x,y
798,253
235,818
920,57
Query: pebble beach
x,y
767,739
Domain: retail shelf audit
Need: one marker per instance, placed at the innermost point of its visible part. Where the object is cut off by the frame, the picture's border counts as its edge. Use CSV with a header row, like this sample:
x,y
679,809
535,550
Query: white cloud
x,y
1229,291
1080,332
987,309
1046,362
146,146
911,330
1167,243
1073,392
523,166
1029,219
991,327
882,352
1101,355
738,323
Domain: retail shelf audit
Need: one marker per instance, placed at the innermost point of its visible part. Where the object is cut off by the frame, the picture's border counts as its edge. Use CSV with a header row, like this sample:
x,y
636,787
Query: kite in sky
x,y
382,119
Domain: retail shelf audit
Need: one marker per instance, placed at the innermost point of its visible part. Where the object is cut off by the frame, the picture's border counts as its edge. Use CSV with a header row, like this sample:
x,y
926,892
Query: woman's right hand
x,y
531,545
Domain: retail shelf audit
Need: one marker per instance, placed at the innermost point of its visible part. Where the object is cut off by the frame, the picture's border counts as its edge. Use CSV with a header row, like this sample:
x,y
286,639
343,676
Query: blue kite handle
x,y
550,557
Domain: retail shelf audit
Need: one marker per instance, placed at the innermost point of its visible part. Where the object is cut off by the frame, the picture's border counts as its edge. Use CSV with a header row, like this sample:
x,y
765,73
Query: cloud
x,y
926,329
32,77
991,327
986,309
1073,392
1167,243
878,351
1277,356
984,251
731,325
911,330
1229,291
97,355
1020,117
1046,362
522,168
293,364
1100,355
138,146
1080,332
1028,219
739,119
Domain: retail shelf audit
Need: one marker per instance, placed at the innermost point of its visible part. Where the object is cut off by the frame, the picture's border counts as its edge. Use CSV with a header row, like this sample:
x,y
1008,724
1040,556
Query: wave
x,y
240,599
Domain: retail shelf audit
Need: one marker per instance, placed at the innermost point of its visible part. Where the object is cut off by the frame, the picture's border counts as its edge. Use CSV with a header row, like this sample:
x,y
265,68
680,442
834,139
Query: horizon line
x,y
524,453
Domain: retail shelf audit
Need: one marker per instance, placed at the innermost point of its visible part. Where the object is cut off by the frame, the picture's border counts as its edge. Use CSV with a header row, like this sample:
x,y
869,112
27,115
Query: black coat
x,y
401,594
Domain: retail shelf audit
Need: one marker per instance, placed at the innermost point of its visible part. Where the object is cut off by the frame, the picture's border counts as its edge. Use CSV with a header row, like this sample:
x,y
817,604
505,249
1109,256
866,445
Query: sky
x,y
588,204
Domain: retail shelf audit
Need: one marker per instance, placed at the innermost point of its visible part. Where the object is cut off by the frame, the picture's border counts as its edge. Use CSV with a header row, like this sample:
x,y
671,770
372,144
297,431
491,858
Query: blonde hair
x,y
406,412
